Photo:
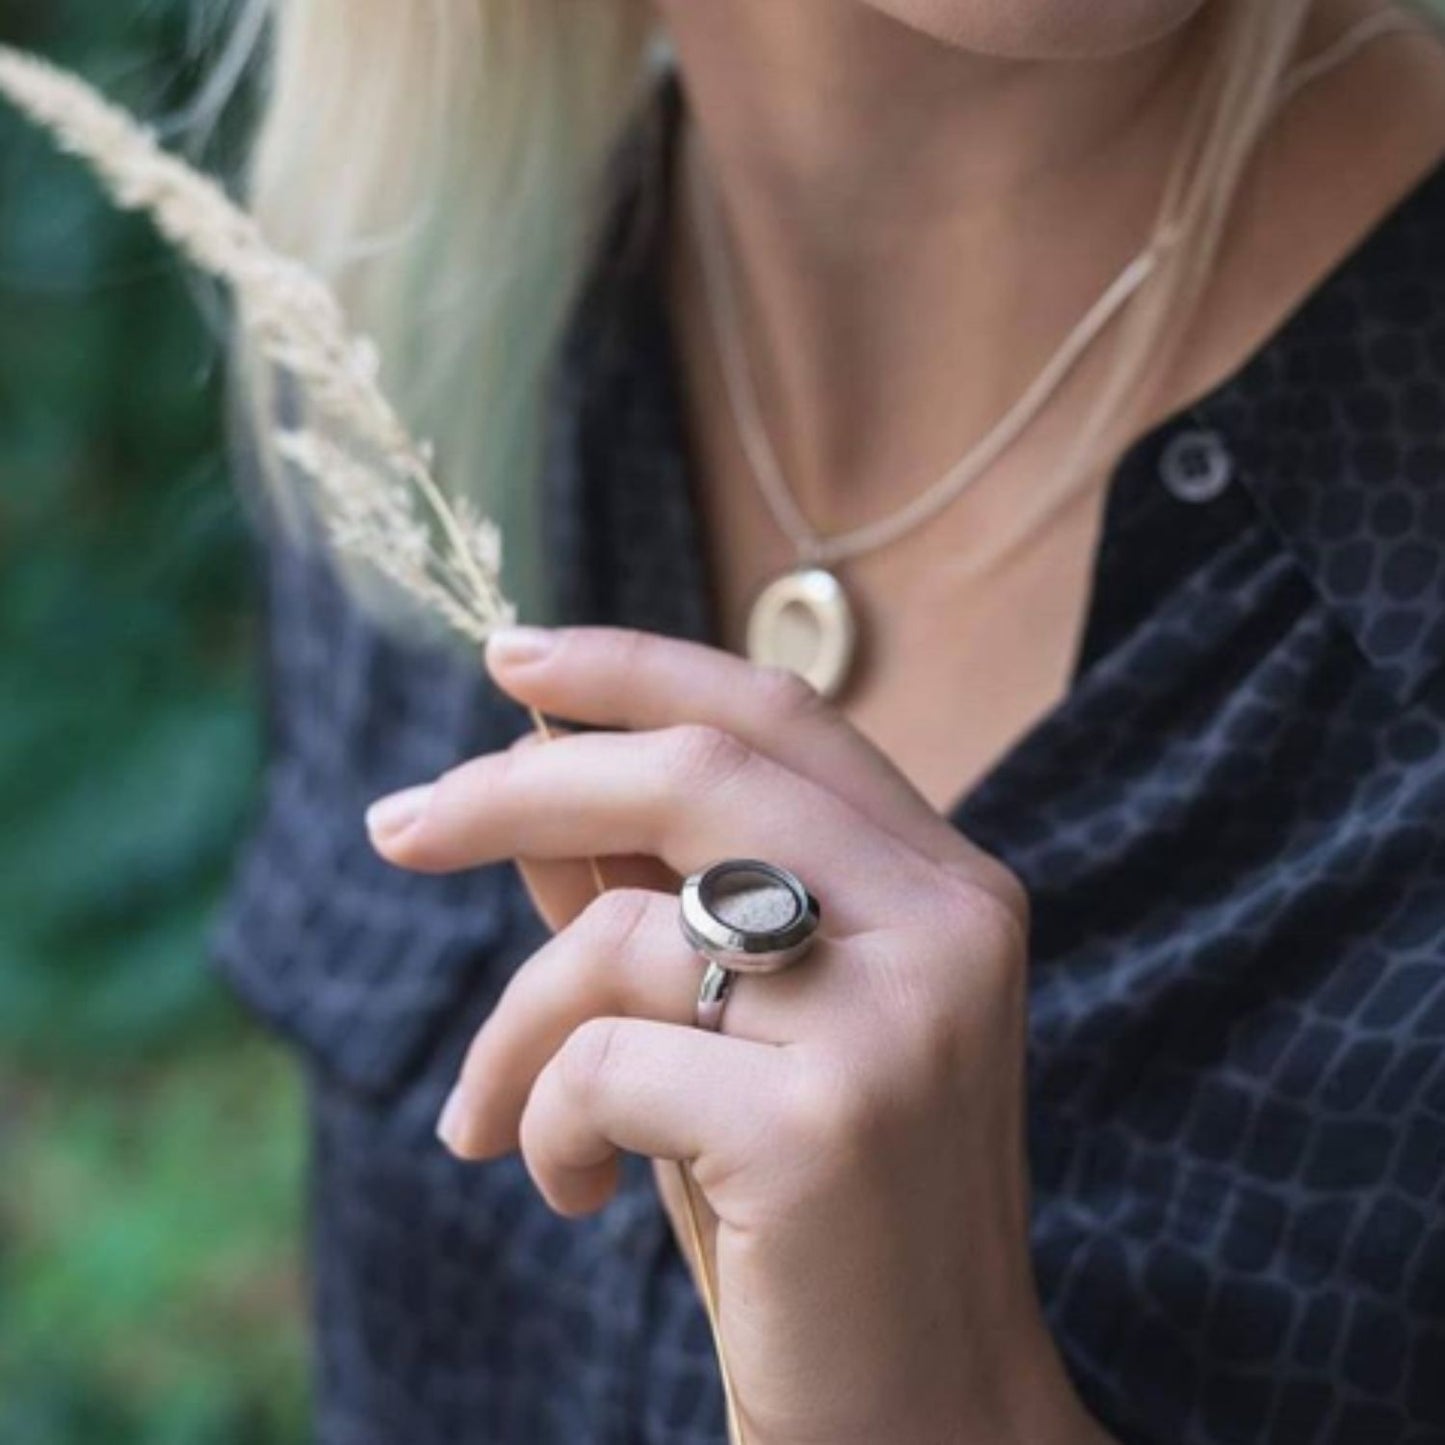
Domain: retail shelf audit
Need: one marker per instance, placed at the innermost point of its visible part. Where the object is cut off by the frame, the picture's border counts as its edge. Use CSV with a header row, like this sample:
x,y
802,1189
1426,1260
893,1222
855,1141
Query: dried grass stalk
x,y
375,492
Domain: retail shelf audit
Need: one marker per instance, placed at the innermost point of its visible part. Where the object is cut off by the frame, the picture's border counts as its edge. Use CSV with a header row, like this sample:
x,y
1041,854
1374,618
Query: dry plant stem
x,y
372,480
706,1282
710,1300
368,473
546,731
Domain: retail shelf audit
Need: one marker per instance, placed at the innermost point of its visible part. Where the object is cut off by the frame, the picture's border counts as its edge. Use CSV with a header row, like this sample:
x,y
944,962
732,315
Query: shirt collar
x,y
1337,428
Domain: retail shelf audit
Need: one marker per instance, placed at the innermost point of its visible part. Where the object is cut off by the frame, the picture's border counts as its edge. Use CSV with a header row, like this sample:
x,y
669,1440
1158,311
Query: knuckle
x,y
614,918
805,1115
832,1110
590,1057
975,993
459,786
990,914
1009,891
701,756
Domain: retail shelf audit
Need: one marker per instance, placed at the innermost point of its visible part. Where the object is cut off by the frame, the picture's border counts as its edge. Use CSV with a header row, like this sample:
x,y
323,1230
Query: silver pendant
x,y
804,622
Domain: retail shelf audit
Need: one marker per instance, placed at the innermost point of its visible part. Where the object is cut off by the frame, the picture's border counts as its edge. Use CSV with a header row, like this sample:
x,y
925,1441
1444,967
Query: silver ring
x,y
744,916
712,997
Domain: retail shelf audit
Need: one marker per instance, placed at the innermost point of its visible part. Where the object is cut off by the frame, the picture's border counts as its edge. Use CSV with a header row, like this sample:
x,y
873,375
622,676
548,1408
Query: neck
x,y
913,228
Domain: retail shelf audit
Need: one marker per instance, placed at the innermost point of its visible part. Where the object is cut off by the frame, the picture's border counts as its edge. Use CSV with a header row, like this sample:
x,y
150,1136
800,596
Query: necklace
x,y
804,620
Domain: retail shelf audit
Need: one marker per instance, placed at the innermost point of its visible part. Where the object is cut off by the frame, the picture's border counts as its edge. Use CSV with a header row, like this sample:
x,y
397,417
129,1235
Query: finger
x,y
646,1088
688,796
560,888
614,678
624,957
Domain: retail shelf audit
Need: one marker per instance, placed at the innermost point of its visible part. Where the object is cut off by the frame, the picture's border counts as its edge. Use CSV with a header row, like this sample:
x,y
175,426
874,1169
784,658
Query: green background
x,y
150,1140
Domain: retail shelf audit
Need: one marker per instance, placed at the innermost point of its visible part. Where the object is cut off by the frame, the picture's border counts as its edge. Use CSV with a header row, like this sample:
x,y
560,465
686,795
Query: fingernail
x,y
390,817
519,646
449,1122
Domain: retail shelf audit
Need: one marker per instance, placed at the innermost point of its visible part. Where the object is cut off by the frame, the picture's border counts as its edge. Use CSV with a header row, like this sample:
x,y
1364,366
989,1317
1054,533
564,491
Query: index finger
x,y
687,795
610,677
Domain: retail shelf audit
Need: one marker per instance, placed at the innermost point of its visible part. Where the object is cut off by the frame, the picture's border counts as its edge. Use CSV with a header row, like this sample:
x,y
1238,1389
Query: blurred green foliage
x,y
150,1145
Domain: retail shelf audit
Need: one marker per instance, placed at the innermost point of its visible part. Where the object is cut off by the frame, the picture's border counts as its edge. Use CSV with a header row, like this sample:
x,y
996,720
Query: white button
x,y
1196,465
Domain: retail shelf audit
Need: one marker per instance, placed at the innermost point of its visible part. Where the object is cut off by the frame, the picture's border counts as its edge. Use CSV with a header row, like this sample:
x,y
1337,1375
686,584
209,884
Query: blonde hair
x,y
439,162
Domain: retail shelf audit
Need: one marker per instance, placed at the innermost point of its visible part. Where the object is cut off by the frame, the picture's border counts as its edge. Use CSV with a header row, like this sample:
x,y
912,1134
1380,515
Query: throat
x,y
948,668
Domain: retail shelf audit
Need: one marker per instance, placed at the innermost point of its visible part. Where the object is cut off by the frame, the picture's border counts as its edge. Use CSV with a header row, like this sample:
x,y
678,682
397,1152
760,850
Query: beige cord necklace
x,y
805,620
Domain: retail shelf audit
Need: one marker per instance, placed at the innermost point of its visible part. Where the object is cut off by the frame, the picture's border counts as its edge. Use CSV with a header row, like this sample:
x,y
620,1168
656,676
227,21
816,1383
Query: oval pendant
x,y
804,622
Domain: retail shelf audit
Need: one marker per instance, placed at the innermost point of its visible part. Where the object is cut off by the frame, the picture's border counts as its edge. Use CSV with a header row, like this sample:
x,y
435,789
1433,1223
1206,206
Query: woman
x,y
1110,1106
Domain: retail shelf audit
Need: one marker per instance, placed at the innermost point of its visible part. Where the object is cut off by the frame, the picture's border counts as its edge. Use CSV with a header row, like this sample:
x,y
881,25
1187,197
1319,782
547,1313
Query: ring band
x,y
712,996
744,916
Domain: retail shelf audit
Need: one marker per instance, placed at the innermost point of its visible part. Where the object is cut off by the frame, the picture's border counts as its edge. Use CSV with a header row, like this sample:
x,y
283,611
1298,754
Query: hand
x,y
857,1130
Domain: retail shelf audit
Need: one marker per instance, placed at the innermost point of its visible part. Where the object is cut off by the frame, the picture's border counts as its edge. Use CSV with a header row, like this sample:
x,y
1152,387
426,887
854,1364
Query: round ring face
x,y
748,916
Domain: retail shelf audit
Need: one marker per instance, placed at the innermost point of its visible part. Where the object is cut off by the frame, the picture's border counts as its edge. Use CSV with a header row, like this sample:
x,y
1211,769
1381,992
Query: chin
x,y
1044,29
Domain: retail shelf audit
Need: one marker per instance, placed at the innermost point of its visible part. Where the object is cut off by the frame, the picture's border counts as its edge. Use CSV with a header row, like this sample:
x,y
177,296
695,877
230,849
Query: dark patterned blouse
x,y
1231,828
